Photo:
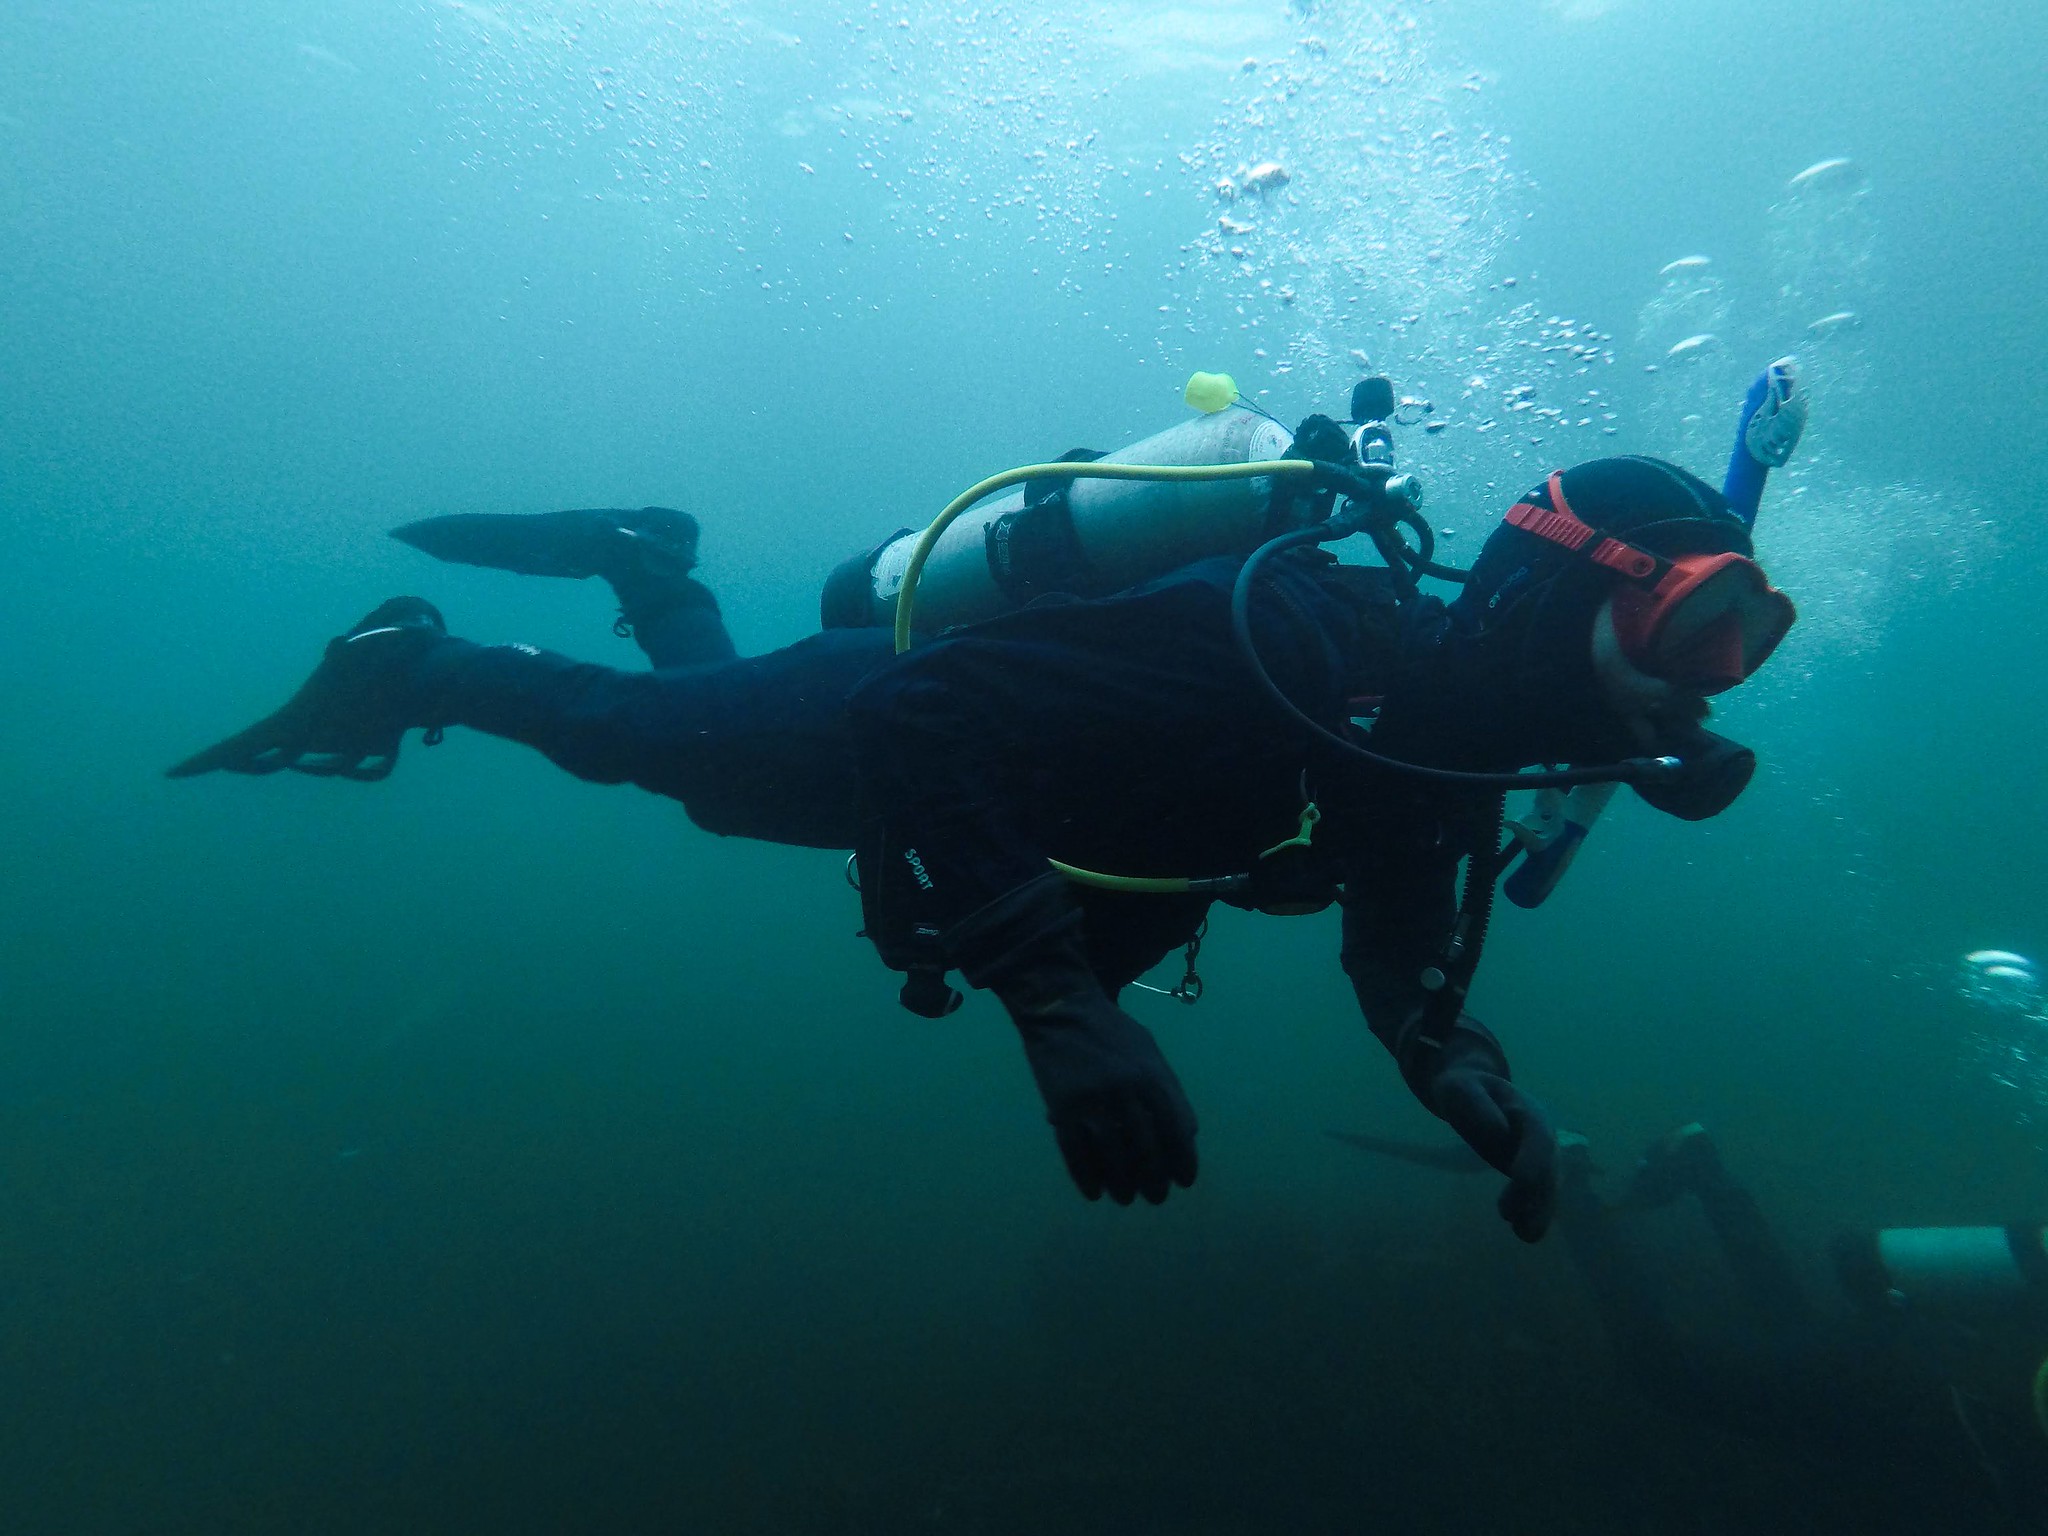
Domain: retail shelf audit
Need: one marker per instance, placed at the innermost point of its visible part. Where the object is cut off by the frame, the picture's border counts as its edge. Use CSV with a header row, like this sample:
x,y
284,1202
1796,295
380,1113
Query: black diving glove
x,y
1123,1124
1469,1090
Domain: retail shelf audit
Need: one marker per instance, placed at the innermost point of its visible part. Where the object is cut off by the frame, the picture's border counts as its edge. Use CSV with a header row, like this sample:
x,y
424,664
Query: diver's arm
x,y
1398,911
1397,920
1773,416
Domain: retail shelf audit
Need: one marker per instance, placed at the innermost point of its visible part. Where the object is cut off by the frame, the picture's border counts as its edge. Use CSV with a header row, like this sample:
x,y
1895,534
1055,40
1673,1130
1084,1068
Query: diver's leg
x,y
646,554
647,560
676,625
1623,1294
755,748
1757,1258
1687,1162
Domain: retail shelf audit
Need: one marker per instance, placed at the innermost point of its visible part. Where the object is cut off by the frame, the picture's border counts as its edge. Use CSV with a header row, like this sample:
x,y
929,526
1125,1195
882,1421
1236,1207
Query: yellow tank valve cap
x,y
1211,392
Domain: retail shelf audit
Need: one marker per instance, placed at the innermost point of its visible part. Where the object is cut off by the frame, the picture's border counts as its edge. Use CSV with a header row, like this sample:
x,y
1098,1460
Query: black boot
x,y
1123,1124
1684,1162
347,719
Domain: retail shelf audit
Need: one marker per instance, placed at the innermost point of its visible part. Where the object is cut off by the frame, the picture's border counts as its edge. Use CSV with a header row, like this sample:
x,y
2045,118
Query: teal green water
x,y
486,1151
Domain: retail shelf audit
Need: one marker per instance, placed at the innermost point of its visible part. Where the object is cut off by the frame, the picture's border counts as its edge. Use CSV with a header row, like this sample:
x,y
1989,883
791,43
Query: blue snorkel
x,y
1773,416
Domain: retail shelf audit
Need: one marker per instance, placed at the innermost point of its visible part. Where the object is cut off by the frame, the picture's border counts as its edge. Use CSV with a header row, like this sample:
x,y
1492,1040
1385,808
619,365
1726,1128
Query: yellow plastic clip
x,y
1310,815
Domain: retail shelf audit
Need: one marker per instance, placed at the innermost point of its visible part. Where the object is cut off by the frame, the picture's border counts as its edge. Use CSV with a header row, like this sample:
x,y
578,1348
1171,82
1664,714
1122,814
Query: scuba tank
x,y
1087,538
1954,1271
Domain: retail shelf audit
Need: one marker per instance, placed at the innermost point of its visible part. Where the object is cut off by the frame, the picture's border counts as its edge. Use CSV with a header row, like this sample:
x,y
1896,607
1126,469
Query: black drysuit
x,y
1122,734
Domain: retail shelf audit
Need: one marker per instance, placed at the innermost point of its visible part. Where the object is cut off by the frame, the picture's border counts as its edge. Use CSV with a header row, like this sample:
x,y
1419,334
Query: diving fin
x,y
1446,1157
575,544
347,719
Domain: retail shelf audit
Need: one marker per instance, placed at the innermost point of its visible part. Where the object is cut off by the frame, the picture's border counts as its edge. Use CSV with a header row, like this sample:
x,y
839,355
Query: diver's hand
x,y
1512,1131
1124,1125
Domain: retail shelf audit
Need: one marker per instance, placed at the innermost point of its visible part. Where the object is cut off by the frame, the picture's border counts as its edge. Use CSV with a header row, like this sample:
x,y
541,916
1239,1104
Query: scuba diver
x,y
1914,1381
1143,685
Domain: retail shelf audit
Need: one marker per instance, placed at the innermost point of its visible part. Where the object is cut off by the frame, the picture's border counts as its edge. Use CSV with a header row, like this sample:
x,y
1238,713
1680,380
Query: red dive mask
x,y
1704,622
1707,624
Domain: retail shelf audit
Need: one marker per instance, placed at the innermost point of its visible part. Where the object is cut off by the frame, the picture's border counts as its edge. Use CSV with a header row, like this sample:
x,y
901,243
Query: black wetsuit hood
x,y
1503,677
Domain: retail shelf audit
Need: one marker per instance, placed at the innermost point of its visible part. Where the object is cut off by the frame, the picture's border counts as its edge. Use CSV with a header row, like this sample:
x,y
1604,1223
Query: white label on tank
x,y
1268,442
890,565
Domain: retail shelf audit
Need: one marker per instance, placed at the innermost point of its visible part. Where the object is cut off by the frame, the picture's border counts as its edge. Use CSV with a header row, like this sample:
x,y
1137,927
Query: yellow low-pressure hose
x,y
906,595
1143,885
1153,885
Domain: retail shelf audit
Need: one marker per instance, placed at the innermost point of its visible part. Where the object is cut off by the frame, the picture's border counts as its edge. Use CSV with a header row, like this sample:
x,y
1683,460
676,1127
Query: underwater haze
x,y
488,1151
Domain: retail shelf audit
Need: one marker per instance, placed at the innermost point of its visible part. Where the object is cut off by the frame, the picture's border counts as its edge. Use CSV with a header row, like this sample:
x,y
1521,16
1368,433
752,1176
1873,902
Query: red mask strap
x,y
1556,485
1558,524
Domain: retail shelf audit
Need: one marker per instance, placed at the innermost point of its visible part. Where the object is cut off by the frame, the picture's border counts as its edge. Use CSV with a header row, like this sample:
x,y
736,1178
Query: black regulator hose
x,y
1634,770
